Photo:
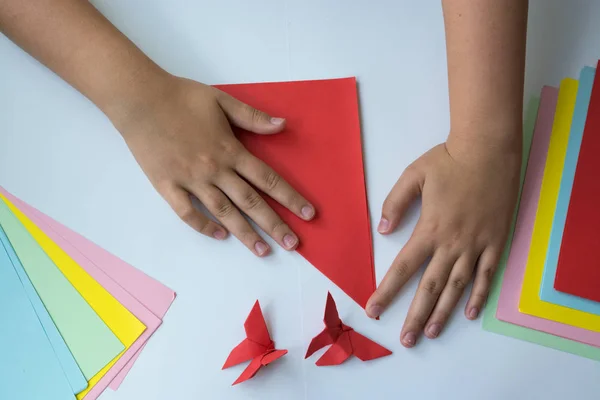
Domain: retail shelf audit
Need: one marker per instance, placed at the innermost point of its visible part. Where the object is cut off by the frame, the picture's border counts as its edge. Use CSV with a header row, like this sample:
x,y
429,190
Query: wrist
x,y
135,95
497,144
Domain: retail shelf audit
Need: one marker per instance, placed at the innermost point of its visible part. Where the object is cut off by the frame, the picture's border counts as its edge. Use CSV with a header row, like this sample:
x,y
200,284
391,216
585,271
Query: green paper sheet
x,y
490,323
91,342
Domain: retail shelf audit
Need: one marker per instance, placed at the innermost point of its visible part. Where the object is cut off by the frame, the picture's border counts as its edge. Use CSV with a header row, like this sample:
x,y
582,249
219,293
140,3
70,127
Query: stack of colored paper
x,y
75,317
547,289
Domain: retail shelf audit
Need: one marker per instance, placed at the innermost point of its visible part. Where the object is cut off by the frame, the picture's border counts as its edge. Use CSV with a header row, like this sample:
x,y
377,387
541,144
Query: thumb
x,y
243,116
404,192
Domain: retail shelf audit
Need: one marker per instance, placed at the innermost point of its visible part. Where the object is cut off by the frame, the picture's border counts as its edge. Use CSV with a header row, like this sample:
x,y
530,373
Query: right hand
x,y
183,141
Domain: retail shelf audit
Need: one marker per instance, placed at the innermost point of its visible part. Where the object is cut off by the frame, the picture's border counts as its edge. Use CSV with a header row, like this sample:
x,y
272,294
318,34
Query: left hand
x,y
468,198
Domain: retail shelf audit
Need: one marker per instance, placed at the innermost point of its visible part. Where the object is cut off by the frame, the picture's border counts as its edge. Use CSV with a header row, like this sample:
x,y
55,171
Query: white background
x,y
62,155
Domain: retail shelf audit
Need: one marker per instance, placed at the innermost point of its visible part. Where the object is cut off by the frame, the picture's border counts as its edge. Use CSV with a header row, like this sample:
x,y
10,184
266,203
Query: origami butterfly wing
x,y
256,327
366,349
250,371
339,352
272,356
333,328
243,352
257,363
331,317
321,340
257,340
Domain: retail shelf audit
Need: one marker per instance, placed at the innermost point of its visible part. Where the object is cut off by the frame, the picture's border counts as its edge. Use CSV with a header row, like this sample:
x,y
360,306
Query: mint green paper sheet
x,y
90,341
490,323
29,369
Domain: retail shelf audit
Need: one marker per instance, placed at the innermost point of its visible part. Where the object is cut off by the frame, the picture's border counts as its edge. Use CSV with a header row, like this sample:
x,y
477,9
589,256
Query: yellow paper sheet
x,y
126,327
530,302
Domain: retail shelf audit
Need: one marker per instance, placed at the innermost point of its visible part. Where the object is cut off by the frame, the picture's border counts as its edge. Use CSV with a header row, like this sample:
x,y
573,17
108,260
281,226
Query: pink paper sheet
x,y
508,305
145,297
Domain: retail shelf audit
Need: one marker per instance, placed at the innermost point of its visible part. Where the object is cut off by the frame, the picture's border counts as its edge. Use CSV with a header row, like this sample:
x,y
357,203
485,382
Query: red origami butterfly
x,y
257,346
345,341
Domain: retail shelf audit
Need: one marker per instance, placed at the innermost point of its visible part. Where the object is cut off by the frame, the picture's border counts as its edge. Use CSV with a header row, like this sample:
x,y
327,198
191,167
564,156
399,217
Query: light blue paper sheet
x,y
29,368
72,372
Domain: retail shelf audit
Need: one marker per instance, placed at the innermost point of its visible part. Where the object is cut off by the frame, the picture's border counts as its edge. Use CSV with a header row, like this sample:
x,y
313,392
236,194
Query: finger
x,y
484,274
410,258
459,278
432,283
180,202
404,192
253,205
267,180
222,208
249,118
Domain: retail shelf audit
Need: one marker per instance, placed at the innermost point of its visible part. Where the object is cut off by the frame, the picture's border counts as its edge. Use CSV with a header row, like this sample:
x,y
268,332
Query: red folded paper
x,y
578,270
320,155
257,346
345,341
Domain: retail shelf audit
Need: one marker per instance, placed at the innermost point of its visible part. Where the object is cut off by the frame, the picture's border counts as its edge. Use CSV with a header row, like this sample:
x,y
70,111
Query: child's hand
x,y
183,141
468,197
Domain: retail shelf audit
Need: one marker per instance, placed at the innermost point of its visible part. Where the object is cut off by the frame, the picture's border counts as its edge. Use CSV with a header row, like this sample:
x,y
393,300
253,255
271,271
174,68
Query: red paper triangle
x,y
578,270
320,155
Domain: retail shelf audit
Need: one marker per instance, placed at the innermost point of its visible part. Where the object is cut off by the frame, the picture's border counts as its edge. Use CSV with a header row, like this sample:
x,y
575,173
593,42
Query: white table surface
x,y
62,155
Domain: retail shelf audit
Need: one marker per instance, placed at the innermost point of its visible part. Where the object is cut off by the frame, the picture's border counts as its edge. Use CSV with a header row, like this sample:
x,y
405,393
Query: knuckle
x,y
230,148
456,238
458,283
401,269
488,272
248,236
252,200
271,179
209,165
223,209
433,286
186,213
278,224
450,251
256,115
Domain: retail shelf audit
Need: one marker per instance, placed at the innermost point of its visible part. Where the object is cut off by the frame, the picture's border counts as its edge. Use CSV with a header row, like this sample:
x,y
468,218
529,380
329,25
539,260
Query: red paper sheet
x,y
578,270
319,154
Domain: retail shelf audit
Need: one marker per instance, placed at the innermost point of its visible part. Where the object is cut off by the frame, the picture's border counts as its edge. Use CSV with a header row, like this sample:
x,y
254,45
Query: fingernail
x,y
384,225
261,248
308,212
409,339
473,313
219,234
434,330
375,310
277,121
289,241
